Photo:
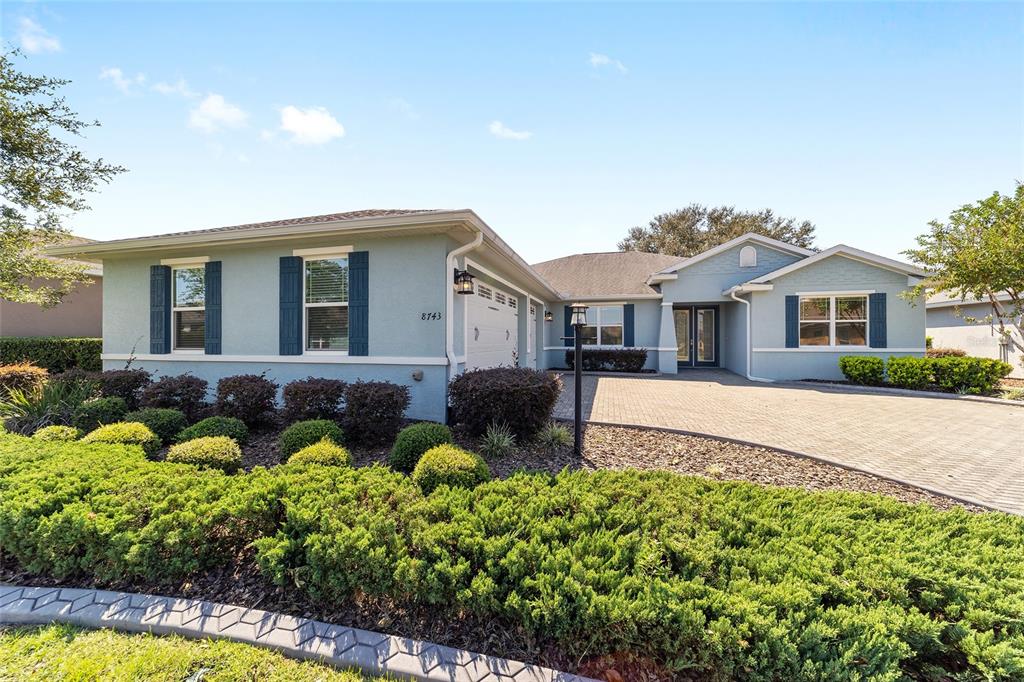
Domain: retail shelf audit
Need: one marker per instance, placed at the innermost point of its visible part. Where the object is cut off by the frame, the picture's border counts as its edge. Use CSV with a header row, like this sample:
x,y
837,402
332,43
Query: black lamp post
x,y
579,320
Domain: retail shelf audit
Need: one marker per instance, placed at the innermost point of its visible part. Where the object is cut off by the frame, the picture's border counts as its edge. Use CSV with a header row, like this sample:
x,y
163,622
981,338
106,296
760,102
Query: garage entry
x,y
492,328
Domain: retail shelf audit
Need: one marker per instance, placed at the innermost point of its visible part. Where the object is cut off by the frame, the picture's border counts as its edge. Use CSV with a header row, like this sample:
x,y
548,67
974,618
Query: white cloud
x,y
498,129
267,135
35,39
180,88
314,125
599,61
215,113
122,82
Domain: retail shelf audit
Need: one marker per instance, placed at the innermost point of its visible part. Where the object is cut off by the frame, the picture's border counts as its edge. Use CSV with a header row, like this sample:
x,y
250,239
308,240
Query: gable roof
x,y
615,274
748,237
848,252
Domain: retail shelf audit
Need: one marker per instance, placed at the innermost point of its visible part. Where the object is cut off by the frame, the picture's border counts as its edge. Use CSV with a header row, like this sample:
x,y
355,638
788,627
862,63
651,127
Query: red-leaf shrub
x,y
313,398
22,376
183,392
521,398
126,384
249,397
374,411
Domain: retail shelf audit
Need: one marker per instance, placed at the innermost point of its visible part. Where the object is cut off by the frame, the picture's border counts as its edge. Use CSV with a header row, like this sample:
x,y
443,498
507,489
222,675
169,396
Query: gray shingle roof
x,y
618,273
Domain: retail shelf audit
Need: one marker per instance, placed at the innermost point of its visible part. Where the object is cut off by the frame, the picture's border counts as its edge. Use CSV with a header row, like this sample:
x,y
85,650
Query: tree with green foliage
x,y
697,228
43,178
978,255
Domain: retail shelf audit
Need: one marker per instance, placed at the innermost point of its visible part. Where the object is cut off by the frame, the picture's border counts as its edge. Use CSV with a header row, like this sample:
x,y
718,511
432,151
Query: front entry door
x,y
696,335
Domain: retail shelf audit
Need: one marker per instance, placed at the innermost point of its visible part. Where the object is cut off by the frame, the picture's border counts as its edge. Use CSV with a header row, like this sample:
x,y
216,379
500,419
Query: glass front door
x,y
696,335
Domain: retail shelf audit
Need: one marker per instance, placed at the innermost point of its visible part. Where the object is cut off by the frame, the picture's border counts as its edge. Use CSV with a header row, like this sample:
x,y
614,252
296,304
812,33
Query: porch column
x,y
667,341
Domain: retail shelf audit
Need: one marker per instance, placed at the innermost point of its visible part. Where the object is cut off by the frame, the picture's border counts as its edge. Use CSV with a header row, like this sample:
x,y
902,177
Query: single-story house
x,y
372,295
957,323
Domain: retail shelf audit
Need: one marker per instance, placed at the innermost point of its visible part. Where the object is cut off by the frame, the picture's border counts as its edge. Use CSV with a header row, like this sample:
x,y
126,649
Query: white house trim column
x,y
667,363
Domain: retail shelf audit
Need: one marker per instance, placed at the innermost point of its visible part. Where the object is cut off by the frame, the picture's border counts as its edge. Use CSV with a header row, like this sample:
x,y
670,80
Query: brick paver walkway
x,y
967,449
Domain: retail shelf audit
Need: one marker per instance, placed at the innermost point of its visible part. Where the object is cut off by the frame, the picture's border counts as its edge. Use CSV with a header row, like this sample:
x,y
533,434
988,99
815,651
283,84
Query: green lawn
x,y
62,652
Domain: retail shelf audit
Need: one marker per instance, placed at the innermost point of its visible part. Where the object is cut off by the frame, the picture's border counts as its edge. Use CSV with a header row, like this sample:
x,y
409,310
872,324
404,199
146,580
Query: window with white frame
x,y
605,326
834,320
189,309
326,303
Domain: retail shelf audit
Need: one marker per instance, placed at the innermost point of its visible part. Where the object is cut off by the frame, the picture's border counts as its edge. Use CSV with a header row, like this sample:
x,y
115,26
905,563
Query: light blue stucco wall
x,y
733,330
705,281
905,323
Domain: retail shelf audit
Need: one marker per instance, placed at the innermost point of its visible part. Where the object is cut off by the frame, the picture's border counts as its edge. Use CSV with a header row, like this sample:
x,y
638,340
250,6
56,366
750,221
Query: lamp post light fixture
x,y
579,320
463,282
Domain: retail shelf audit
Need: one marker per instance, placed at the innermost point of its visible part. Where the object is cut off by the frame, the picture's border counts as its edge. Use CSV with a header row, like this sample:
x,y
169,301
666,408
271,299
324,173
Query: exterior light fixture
x,y
548,317
579,314
579,321
463,282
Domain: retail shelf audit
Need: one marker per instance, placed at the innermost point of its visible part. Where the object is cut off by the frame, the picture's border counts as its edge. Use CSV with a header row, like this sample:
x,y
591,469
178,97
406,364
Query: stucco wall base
x,y
797,365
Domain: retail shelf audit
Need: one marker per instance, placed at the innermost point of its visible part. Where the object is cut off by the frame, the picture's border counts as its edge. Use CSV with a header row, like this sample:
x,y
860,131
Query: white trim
x,y
847,252
1002,296
751,262
838,349
331,254
186,264
820,294
749,236
626,297
324,252
656,350
658,278
188,260
747,288
833,319
470,263
668,303
333,358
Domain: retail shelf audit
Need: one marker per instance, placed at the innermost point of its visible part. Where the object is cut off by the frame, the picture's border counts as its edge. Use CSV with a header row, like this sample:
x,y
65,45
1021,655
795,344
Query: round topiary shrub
x,y
210,452
165,422
215,426
301,434
449,465
99,411
125,433
413,441
324,452
57,433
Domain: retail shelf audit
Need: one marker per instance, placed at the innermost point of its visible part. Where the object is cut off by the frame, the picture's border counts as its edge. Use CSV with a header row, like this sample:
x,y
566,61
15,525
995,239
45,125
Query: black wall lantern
x,y
463,282
548,316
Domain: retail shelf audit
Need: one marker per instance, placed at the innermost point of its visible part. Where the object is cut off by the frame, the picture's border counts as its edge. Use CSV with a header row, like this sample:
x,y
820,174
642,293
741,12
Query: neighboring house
x,y
371,295
948,329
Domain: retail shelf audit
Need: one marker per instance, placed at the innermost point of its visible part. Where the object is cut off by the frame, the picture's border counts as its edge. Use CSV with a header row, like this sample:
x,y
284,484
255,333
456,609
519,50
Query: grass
x,y
64,653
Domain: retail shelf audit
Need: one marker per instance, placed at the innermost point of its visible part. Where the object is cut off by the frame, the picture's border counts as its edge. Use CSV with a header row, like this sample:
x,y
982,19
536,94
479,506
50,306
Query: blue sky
x,y
561,125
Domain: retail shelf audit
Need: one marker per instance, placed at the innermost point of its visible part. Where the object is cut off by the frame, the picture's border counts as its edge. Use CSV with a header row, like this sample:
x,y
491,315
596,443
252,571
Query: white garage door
x,y
492,328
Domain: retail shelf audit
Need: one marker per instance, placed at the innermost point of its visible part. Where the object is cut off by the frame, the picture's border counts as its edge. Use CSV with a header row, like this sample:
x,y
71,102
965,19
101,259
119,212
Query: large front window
x,y
326,302
834,321
190,308
605,328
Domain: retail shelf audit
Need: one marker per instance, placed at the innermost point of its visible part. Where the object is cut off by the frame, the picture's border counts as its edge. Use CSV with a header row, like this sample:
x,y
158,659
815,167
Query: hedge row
x,y
609,359
53,353
948,372
715,580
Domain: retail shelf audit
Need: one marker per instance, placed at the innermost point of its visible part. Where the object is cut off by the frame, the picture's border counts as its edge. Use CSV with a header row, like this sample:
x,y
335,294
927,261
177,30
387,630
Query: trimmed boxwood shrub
x,y
125,433
313,398
99,411
413,441
374,411
522,398
215,426
909,372
165,422
126,384
325,452
210,452
183,392
449,465
57,433
53,353
249,397
302,434
22,376
863,369
969,375
609,359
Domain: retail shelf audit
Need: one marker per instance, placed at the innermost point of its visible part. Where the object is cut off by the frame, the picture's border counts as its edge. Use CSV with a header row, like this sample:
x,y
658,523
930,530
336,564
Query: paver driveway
x,y
967,449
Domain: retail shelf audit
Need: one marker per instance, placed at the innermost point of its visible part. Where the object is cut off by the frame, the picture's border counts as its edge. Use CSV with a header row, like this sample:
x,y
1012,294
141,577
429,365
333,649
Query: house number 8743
x,y
430,316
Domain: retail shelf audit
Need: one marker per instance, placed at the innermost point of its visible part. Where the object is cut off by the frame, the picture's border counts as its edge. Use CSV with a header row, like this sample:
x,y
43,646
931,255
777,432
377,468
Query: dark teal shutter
x,y
876,313
627,325
213,308
359,303
290,336
792,322
160,309
568,341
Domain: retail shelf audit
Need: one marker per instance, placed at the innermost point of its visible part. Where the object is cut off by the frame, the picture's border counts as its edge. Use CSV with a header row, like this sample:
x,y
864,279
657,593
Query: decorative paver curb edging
x,y
887,390
372,652
796,453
